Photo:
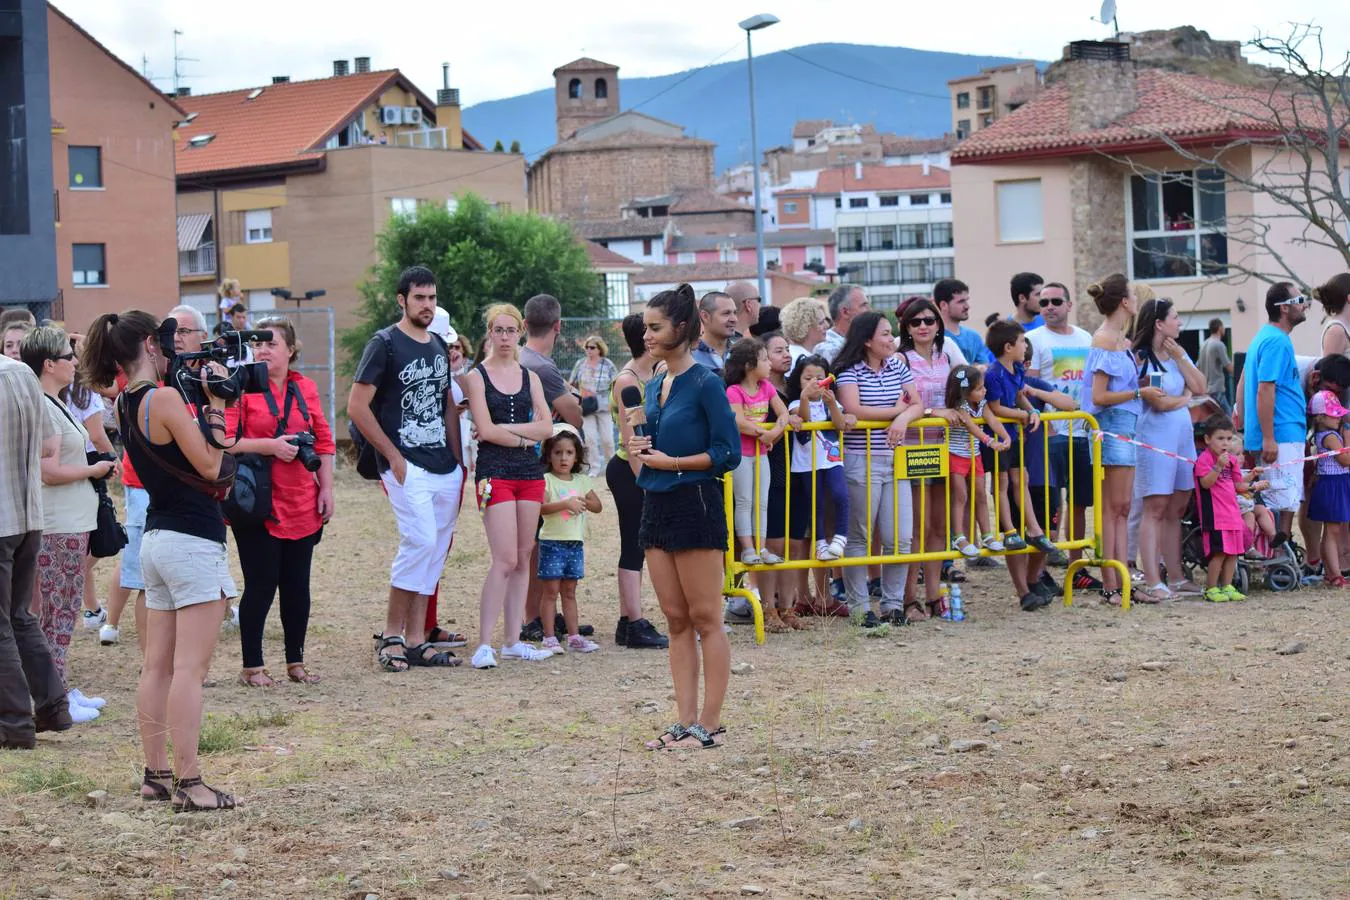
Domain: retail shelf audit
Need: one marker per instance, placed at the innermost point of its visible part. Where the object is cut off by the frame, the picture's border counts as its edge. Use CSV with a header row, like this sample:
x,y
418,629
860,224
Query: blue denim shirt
x,y
696,419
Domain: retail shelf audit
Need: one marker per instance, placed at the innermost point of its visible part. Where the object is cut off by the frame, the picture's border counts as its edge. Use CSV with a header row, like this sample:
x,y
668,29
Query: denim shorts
x,y
561,560
138,504
1117,421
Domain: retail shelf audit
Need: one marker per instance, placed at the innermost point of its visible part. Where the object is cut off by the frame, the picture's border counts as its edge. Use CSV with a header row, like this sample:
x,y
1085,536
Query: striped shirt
x,y
24,424
960,442
881,388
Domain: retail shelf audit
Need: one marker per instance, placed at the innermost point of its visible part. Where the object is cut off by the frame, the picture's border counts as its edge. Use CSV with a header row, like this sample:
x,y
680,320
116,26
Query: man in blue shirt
x,y
952,299
1276,423
717,318
1025,288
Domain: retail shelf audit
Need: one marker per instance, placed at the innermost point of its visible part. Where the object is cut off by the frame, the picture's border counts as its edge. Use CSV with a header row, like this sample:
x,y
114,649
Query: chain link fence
x,y
315,329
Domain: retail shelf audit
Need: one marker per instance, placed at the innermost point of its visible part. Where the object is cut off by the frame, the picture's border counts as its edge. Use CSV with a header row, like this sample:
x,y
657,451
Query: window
x,y
602,93
789,206
888,200
815,255
646,247
258,226
261,301
850,240
881,237
962,129
616,294
987,97
574,89
918,199
1178,223
963,100
940,234
773,257
857,203
838,202
941,267
86,167
1019,210
913,271
986,120
89,265
881,272
945,198
451,204
403,206
686,259
912,237
727,253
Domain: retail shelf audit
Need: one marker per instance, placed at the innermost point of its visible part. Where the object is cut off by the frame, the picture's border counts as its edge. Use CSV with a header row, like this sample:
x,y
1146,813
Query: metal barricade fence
x,y
928,461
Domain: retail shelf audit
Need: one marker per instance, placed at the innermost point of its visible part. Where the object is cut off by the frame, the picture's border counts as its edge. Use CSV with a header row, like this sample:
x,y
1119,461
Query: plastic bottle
x,y
958,608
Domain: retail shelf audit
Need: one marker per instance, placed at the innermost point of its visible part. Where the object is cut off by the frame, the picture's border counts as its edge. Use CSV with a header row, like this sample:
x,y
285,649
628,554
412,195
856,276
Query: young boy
x,y
1006,392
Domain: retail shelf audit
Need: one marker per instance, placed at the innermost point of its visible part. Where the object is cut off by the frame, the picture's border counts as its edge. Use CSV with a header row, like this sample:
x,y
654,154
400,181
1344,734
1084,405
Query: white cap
x,y
440,324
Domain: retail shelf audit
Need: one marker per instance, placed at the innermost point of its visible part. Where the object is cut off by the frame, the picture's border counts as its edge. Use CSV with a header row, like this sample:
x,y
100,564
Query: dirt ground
x,y
1165,752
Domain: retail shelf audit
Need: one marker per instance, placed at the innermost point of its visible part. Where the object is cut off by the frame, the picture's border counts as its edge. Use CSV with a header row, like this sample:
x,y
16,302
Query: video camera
x,y
231,345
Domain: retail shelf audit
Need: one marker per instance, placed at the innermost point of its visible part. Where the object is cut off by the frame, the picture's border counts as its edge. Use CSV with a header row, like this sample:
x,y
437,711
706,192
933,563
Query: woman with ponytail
x,y
1333,296
183,561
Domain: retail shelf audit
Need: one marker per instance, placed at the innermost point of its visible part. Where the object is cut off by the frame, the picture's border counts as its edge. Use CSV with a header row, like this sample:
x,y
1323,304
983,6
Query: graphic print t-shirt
x,y
411,380
1061,359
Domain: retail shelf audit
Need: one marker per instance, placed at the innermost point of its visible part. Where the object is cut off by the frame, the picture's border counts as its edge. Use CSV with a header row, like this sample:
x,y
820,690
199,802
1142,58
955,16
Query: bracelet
x,y
677,466
1137,394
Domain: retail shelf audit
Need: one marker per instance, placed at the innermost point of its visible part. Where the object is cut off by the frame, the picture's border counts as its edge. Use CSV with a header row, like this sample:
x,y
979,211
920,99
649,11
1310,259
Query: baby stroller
x,y
1280,568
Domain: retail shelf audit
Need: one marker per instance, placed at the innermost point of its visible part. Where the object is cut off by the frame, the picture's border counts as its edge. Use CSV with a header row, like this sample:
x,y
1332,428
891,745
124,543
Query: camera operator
x,y
183,561
288,425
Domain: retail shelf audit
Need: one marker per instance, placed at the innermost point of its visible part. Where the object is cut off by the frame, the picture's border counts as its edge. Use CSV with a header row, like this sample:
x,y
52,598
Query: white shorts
x,y
183,570
425,508
1286,481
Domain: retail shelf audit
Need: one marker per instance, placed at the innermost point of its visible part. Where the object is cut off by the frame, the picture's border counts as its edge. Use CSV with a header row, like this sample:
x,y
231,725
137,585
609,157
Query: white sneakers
x,y
522,650
552,645
74,696
93,619
484,658
109,635
80,713
579,644
833,549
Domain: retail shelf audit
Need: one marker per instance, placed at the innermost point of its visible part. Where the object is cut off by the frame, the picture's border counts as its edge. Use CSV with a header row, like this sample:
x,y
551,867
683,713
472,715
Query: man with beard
x,y
1025,288
952,299
401,403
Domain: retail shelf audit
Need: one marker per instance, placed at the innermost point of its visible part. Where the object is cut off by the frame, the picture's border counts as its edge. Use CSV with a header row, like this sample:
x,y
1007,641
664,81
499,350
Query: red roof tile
x,y
1178,106
605,257
584,64
809,128
709,271
894,145
881,178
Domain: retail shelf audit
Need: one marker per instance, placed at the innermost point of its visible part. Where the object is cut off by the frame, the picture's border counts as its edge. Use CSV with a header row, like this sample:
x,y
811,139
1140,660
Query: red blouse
x,y
295,492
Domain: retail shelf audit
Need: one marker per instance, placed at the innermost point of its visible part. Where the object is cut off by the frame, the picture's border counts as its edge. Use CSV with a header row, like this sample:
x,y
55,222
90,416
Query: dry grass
x,y
1223,775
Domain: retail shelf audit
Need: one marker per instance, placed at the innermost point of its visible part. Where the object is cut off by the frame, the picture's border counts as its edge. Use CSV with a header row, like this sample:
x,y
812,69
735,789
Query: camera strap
x,y
284,416
217,487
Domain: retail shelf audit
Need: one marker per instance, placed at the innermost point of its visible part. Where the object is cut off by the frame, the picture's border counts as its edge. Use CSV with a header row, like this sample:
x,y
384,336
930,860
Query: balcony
x,y
197,263
432,139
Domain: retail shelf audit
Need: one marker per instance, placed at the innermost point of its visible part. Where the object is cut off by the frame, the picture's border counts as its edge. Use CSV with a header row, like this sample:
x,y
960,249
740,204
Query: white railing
x,y
431,139
201,261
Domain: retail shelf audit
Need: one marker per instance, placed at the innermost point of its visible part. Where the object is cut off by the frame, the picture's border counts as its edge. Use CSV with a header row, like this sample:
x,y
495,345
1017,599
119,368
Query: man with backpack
x,y
401,405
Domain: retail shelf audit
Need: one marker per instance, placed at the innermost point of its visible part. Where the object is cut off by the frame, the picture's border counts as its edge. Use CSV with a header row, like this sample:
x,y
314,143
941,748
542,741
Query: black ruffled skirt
x,y
689,517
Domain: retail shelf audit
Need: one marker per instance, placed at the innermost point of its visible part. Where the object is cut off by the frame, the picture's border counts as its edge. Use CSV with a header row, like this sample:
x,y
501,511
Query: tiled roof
x,y
584,64
285,123
1171,104
882,178
634,227
603,257
894,145
711,271
683,201
807,128
793,237
630,137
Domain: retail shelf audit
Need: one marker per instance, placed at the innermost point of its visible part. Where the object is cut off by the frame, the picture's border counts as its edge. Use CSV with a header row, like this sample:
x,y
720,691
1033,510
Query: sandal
x,y
1111,597
442,659
774,624
256,678
393,662
443,638
914,612
159,793
676,731
305,676
706,740
937,608
953,575
790,618
183,802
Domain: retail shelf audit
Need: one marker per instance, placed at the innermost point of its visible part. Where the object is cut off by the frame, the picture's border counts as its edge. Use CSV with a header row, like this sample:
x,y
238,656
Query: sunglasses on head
x,y
1297,300
922,320
1057,301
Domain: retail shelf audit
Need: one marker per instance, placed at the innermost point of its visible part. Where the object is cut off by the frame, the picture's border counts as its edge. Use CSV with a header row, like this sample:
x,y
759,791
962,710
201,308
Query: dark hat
x,y
768,321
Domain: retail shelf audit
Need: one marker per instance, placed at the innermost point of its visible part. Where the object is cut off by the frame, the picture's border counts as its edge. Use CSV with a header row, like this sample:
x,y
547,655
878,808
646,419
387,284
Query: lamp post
x,y
755,23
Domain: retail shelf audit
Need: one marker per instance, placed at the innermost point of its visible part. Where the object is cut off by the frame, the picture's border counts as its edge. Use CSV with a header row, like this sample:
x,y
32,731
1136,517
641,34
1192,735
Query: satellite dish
x,y
1108,13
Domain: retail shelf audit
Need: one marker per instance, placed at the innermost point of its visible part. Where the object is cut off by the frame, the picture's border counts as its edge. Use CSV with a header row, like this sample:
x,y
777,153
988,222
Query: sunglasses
x,y
1293,301
1056,301
922,320
65,356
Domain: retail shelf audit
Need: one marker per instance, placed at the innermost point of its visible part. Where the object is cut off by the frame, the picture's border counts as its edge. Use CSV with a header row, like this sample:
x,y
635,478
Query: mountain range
x,y
899,89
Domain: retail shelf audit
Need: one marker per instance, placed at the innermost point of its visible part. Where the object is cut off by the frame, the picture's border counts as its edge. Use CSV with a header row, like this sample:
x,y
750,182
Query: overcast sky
x,y
502,49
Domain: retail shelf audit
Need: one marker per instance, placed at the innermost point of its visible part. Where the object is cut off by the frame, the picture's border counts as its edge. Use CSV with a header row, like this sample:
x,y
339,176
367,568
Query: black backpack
x,y
369,463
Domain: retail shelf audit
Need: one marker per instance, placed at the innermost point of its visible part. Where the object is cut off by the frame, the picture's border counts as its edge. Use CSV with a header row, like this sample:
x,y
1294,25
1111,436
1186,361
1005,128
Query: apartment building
x,y
799,251
287,185
979,101
819,144
112,164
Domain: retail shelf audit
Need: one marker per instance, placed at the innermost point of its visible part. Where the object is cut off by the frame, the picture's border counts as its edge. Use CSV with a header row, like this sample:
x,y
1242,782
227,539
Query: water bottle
x,y
958,608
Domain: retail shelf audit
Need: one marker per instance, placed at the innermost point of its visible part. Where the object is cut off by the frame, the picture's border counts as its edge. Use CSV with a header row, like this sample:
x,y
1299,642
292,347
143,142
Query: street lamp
x,y
755,23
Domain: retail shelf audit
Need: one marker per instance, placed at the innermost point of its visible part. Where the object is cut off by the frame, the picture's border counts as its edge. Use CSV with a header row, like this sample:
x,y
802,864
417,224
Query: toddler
x,y
568,495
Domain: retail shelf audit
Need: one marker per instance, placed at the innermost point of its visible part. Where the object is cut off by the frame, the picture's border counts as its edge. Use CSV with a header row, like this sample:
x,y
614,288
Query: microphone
x,y
632,400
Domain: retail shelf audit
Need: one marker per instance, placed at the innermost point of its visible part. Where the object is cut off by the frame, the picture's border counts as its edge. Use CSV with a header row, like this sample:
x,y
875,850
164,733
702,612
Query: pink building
x,y
788,251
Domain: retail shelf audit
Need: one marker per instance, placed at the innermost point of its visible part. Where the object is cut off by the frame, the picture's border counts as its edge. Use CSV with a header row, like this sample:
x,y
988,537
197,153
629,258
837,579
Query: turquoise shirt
x,y
1270,358
696,419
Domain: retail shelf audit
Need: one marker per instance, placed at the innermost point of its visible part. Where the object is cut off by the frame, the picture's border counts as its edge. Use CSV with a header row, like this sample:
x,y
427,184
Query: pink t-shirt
x,y
1218,503
756,410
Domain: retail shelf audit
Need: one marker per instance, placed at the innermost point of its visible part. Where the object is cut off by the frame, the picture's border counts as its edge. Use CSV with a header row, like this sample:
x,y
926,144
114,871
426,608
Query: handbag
x,y
109,536
249,502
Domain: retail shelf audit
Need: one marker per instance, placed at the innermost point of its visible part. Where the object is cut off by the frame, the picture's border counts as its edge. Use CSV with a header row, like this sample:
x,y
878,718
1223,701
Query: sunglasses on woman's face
x,y
65,356
1047,301
922,320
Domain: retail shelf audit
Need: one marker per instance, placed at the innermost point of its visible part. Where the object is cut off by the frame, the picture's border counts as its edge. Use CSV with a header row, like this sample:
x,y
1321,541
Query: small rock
x,y
1301,786
371,897
751,890
1041,877
727,867
855,825
1278,852
1090,834
1291,649
931,740
55,844
240,853
666,889
451,874
536,885
1116,676
1290,743
618,868
965,746
742,822
996,714
96,799
741,668
1325,717
1028,790
41,891
1154,665
993,727
118,820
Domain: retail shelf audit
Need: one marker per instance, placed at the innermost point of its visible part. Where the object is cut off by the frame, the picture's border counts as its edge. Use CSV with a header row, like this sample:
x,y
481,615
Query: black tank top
x,y
174,506
494,460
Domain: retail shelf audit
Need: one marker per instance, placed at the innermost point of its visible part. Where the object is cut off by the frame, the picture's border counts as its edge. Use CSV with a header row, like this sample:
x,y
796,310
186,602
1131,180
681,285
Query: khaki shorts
x,y
182,570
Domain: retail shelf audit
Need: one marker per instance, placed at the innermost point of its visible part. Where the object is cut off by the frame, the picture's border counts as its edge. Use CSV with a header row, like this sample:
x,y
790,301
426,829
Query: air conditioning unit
x,y
391,115
412,115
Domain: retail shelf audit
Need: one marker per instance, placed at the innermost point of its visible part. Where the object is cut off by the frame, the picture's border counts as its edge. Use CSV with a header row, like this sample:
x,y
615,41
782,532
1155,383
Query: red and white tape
x,y
1275,465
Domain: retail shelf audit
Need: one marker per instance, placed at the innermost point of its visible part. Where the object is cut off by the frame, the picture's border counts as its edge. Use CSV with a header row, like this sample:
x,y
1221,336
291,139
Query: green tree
x,y
515,146
497,147
480,257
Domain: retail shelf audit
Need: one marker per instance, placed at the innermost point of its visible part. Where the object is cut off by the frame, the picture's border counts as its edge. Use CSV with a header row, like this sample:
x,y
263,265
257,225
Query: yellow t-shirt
x,y
564,526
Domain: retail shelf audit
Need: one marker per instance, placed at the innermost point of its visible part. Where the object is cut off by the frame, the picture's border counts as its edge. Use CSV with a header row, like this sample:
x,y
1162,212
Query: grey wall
x,y
27,215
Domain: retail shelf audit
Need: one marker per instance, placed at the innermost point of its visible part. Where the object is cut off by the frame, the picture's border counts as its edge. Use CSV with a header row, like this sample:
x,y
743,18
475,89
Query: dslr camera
x,y
184,374
304,450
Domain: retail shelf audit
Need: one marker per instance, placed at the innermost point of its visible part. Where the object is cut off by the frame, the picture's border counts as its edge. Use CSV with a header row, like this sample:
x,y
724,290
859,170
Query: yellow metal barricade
x,y
927,461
